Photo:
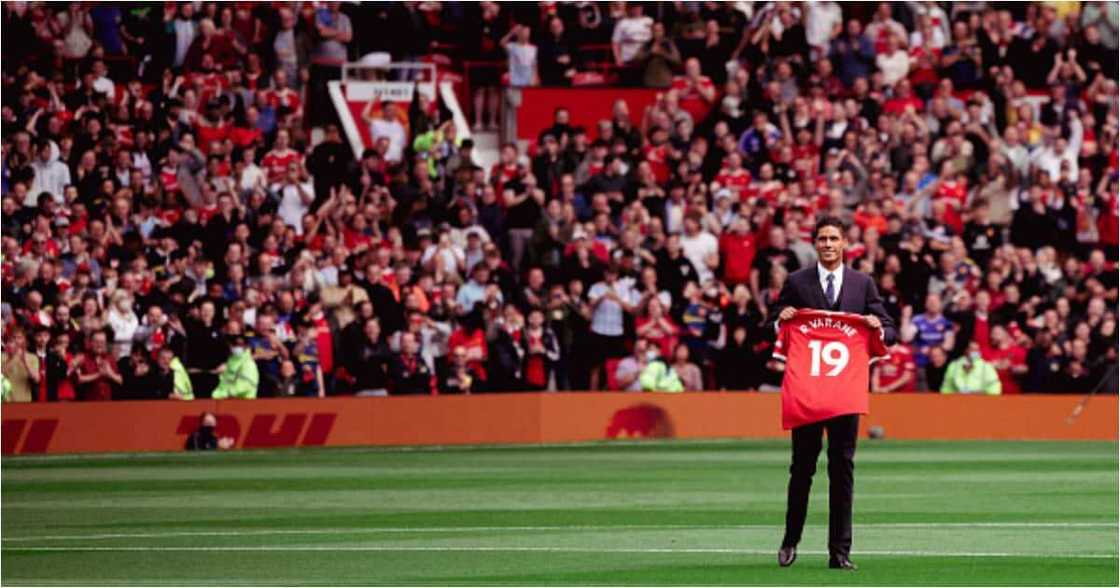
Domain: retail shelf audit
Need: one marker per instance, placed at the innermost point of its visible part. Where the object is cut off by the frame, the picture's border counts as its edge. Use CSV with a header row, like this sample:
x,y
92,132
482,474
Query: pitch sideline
x,y
545,528
469,549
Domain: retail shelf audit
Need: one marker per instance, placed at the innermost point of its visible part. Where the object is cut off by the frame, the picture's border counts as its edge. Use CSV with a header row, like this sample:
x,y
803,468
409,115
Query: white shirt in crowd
x,y
522,64
823,16
1049,159
292,207
185,31
141,162
449,257
251,177
894,66
607,317
51,176
632,34
103,85
937,39
937,16
697,249
394,131
124,325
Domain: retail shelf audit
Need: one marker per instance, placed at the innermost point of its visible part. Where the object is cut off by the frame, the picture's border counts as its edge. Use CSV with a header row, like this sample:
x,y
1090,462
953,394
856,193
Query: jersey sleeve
x,y
876,346
781,344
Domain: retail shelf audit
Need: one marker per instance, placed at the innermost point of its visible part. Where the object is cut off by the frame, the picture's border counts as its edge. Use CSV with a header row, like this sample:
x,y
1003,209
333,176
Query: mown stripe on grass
x,y
525,548
545,528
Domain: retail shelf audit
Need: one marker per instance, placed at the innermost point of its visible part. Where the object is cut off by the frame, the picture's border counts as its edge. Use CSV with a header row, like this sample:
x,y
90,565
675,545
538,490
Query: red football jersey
x,y
738,181
827,355
895,368
276,163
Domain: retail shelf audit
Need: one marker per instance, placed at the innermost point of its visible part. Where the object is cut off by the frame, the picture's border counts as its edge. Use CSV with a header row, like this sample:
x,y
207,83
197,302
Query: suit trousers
x,y
842,434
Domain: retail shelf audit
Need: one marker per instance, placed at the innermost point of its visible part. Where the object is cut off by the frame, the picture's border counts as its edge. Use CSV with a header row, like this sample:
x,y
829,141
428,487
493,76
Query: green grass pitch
x,y
625,513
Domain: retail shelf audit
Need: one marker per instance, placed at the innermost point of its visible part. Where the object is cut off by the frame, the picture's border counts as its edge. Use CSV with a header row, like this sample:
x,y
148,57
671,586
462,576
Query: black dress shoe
x,y
841,562
787,555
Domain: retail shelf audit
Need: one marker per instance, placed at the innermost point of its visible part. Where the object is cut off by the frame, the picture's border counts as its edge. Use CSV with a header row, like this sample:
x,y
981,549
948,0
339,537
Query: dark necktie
x,y
830,292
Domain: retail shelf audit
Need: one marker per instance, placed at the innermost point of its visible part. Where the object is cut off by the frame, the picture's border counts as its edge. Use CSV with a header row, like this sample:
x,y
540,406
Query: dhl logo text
x,y
264,432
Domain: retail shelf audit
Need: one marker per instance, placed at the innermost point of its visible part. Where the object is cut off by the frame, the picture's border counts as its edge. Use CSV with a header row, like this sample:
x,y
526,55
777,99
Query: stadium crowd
x,y
170,230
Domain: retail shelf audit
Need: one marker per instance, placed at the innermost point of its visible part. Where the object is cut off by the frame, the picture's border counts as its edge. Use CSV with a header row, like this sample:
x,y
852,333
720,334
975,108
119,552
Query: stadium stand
x,y
315,199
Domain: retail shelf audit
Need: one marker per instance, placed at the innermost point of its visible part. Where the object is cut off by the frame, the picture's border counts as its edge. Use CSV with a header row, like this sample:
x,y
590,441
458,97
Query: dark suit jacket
x,y
858,295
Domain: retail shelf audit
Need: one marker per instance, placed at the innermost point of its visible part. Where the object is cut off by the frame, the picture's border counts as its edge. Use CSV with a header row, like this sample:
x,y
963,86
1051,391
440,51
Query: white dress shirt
x,y
837,280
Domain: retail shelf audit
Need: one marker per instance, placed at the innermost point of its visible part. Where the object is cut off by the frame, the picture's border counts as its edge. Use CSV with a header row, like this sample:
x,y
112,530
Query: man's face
x,y
973,349
830,243
933,304
1096,260
778,238
373,330
691,226
673,244
536,278
640,348
408,343
264,325
482,275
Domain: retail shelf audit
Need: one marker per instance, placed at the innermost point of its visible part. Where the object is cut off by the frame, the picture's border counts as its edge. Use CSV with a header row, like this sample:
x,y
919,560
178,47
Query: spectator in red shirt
x,y
1009,359
276,161
896,373
655,325
471,337
696,91
735,177
212,43
97,371
737,248
903,99
870,216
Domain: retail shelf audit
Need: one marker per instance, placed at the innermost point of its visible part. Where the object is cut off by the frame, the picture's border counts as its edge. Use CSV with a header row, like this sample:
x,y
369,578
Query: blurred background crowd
x,y
172,230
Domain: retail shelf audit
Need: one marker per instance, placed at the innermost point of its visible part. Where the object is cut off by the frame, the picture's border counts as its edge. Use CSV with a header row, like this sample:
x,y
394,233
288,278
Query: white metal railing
x,y
363,80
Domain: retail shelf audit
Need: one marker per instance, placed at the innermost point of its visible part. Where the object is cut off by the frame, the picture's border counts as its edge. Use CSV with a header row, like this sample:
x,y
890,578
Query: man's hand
x,y
787,313
872,321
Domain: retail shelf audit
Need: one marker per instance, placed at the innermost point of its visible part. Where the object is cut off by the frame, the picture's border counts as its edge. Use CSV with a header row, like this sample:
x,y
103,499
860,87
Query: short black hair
x,y
830,221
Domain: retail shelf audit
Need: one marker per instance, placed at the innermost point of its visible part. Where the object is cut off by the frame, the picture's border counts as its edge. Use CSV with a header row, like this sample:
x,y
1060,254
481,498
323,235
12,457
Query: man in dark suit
x,y
829,285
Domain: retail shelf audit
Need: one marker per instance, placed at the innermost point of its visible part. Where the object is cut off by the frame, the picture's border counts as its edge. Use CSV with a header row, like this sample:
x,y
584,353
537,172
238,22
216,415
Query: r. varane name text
x,y
829,323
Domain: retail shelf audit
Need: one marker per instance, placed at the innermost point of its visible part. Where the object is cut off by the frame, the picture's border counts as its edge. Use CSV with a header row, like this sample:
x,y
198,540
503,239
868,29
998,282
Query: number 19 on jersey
x,y
834,354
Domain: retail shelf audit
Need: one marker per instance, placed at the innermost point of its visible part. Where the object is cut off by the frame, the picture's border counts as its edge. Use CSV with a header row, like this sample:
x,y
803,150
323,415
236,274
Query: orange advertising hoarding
x,y
523,418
